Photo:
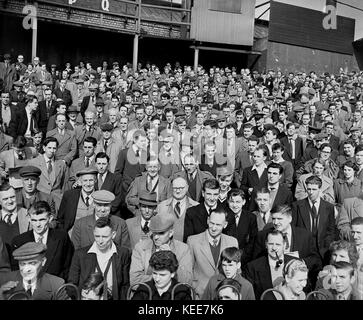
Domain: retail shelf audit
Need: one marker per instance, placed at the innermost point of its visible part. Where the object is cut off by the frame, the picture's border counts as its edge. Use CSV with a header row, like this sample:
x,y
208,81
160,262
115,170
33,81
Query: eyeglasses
x,y
178,188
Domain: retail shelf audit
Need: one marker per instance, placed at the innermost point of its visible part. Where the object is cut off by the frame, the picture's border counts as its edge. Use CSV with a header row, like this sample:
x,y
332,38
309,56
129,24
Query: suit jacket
x,y
43,114
166,207
68,209
9,158
76,166
138,186
47,285
196,222
301,241
82,234
203,263
67,147
128,166
258,272
59,251
84,263
283,196
288,153
326,225
55,182
351,208
140,270
334,142
81,133
113,149
65,96
112,183
135,231
38,196
250,179
19,123
243,161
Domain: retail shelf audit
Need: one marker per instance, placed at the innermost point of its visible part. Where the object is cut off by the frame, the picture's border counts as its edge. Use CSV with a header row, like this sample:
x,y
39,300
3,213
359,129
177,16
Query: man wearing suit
x,y
194,176
168,154
331,138
14,220
177,205
244,159
293,145
78,203
196,218
263,212
316,216
109,145
101,116
59,247
206,248
103,255
29,277
279,193
149,181
7,73
255,177
352,208
82,234
67,147
63,93
7,112
131,161
161,227
298,242
19,124
5,141
87,130
87,160
53,176
46,109
266,272
89,102
139,226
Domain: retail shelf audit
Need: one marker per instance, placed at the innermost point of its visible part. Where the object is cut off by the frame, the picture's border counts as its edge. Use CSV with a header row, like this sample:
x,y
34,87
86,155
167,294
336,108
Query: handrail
x,y
128,294
19,294
183,284
67,285
316,292
272,290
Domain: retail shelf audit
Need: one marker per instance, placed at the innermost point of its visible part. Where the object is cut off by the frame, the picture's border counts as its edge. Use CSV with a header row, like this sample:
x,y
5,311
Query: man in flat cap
x,y
7,73
149,181
59,246
78,203
105,257
29,277
17,94
82,234
29,193
161,227
89,102
67,147
109,145
138,226
63,93
101,116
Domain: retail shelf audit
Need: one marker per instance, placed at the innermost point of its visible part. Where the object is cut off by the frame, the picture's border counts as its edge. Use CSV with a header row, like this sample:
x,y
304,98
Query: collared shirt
x,y
209,209
289,237
267,216
90,159
182,205
102,259
47,161
211,240
143,221
237,217
61,132
44,237
152,180
84,195
33,286
135,148
6,114
102,176
193,175
317,205
16,155
276,274
260,169
273,191
292,144
14,215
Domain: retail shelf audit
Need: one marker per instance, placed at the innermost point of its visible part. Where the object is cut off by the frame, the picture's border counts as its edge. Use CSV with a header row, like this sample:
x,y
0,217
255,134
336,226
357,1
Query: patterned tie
x,y
20,156
215,242
177,209
105,145
29,291
264,217
7,218
286,240
40,239
87,162
50,167
314,216
145,229
87,201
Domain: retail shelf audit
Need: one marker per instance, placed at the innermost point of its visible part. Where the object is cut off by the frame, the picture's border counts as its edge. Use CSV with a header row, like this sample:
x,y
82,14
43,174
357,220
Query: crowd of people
x,y
176,183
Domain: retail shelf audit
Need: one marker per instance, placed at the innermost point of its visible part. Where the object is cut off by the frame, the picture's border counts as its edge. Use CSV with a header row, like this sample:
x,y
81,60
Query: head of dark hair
x,y
314,180
104,222
211,184
164,260
40,207
20,142
235,193
50,139
102,155
275,165
92,140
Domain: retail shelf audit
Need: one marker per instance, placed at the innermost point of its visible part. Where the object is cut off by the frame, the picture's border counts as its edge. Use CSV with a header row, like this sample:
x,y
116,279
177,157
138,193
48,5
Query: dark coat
x,y
250,179
43,115
326,227
66,96
68,209
19,123
59,251
83,264
196,222
298,150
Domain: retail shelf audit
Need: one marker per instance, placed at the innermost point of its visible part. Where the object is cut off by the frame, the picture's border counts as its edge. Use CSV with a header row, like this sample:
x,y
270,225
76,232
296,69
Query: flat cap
x,y
30,171
224,171
352,129
161,222
314,129
72,108
93,86
29,250
298,108
103,196
221,117
89,170
304,99
79,81
106,127
18,83
47,83
148,199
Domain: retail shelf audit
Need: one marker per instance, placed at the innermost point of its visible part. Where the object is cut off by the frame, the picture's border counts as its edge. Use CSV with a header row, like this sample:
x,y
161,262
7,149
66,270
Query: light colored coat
x,y
135,231
23,220
352,208
203,263
113,149
140,270
166,206
67,147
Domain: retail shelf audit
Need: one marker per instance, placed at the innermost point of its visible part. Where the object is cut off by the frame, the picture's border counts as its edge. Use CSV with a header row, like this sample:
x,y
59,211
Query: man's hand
x,y
6,287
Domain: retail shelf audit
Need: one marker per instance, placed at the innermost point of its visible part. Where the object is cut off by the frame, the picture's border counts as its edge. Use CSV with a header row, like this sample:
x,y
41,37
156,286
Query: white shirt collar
x,y
14,215
94,249
317,203
90,198
261,168
210,239
44,237
47,159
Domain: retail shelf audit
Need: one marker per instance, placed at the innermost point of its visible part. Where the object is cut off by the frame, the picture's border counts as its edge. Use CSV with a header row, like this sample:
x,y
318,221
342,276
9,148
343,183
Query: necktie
x,y
145,229
137,153
105,145
149,183
99,116
7,218
314,216
340,297
237,219
50,167
169,126
87,201
168,154
286,240
29,291
264,217
215,242
87,162
20,156
177,209
40,239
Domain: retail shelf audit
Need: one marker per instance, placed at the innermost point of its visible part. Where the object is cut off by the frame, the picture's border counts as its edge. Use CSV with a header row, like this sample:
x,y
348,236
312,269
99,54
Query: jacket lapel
x,y
305,214
205,249
52,246
89,228
23,220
